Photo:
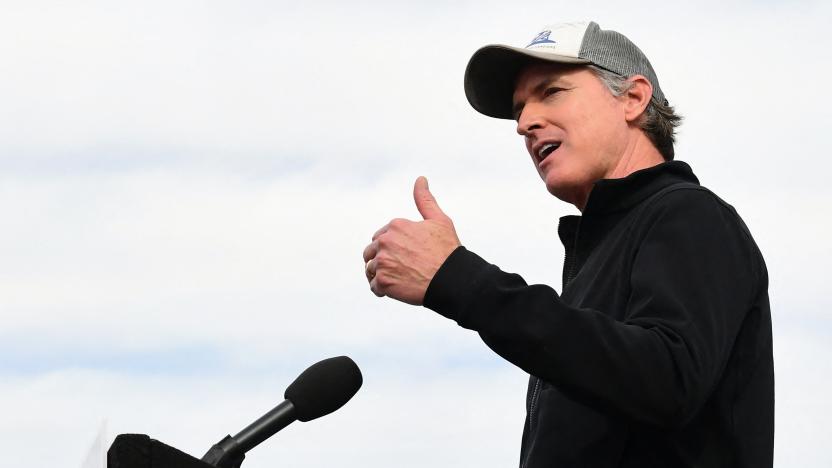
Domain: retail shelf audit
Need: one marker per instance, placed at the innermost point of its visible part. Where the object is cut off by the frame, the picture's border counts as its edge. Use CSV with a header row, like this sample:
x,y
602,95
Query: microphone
x,y
319,390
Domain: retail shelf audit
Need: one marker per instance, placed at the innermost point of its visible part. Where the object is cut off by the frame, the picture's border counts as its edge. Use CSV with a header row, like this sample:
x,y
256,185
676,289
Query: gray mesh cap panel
x,y
612,51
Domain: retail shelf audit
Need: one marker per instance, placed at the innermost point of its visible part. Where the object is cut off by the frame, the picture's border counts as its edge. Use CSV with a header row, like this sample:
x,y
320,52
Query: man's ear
x,y
637,97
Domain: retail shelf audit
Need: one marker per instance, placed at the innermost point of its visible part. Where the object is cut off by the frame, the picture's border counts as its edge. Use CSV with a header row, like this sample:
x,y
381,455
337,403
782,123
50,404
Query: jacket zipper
x,y
533,402
569,266
531,410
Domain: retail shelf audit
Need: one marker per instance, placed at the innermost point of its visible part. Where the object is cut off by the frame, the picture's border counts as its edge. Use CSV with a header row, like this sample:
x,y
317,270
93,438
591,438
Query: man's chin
x,y
566,192
559,191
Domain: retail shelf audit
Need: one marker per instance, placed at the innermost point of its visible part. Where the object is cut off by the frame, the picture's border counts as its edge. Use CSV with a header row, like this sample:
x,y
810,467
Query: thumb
x,y
425,202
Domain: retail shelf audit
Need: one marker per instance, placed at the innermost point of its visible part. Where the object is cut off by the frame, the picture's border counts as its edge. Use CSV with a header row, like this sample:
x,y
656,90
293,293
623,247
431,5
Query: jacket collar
x,y
612,195
611,199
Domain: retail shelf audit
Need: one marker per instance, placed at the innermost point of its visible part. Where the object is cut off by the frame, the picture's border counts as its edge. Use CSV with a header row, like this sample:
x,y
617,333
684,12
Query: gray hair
x,y
659,120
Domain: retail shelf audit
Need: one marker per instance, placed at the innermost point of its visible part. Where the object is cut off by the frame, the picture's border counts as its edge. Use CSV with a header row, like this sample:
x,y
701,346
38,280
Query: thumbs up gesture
x,y
404,255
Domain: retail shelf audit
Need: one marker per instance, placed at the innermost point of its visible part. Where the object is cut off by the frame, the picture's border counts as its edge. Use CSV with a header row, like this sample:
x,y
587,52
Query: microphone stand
x,y
230,451
219,456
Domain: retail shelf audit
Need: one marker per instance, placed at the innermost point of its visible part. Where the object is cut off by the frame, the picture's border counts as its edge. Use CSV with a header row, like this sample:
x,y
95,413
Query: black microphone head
x,y
324,387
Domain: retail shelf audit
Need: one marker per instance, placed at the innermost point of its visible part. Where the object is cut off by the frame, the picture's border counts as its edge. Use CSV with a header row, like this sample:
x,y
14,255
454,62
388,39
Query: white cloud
x,y
194,178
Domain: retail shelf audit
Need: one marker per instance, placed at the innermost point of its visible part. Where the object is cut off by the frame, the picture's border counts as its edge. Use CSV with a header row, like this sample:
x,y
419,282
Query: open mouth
x,y
546,150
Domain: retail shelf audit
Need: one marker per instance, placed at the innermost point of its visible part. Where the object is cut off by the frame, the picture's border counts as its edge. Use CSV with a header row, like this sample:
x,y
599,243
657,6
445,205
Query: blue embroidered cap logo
x,y
542,38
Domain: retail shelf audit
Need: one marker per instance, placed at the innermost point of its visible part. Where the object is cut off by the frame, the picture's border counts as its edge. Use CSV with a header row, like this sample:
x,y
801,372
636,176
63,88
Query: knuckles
x,y
370,251
382,282
398,223
380,260
378,282
374,288
383,241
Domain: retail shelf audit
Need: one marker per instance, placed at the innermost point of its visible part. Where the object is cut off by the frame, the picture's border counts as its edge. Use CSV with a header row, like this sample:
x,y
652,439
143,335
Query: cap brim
x,y
491,74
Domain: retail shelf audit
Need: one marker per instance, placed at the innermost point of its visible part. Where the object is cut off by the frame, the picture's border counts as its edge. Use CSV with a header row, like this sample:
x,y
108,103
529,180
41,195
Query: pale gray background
x,y
186,188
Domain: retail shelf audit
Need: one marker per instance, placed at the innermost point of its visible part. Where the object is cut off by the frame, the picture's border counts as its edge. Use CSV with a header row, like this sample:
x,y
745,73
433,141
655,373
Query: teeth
x,y
546,149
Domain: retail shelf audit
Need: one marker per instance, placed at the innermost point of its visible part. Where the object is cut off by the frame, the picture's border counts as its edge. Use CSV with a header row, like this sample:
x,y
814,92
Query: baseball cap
x,y
493,69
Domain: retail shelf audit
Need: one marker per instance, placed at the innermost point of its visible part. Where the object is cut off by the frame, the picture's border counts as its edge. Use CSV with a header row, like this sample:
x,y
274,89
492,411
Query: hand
x,y
404,255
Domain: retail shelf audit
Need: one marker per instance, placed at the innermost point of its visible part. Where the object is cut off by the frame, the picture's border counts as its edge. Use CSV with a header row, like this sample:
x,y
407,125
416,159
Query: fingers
x,y
374,287
370,251
370,272
370,266
370,269
381,231
425,201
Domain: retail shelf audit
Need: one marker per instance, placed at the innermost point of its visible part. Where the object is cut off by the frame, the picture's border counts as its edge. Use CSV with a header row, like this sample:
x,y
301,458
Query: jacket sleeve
x,y
692,280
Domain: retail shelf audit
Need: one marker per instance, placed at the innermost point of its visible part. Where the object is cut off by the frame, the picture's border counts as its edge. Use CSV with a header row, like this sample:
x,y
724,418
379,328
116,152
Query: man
x,y
657,352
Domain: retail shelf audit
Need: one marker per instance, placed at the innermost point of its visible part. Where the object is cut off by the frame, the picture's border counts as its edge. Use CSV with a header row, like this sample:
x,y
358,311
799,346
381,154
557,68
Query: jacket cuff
x,y
455,283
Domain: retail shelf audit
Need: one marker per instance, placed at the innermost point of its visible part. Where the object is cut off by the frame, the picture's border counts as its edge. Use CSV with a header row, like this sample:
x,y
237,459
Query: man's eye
x,y
550,91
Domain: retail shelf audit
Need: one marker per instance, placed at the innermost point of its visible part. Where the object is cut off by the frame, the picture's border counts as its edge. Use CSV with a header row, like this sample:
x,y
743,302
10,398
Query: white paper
x,y
97,454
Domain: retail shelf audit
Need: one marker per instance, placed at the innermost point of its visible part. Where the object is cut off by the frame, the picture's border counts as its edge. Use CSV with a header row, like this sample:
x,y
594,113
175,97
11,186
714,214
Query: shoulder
x,y
687,194
690,213
692,203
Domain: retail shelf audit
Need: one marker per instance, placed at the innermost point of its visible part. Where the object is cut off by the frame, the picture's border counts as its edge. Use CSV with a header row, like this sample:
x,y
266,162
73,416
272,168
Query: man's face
x,y
574,127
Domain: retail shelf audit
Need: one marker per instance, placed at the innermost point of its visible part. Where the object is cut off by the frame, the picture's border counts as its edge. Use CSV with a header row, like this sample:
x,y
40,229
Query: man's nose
x,y
528,121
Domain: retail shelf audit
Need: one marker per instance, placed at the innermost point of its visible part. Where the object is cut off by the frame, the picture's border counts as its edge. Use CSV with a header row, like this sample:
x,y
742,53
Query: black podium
x,y
140,451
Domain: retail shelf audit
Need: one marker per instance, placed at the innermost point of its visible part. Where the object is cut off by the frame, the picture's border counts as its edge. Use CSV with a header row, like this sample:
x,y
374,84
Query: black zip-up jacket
x,y
657,353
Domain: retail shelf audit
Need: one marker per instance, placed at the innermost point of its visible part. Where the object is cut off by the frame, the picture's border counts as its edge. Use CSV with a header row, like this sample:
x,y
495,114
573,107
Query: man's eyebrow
x,y
517,108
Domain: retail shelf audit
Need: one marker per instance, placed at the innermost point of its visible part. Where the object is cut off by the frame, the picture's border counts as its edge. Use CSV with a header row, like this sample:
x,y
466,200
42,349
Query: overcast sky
x,y
186,188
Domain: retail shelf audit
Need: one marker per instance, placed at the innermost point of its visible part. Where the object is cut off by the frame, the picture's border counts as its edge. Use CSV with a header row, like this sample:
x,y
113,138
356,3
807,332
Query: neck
x,y
640,153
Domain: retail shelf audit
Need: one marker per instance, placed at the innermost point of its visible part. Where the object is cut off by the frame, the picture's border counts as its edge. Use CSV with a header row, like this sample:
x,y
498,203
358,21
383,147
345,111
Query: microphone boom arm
x,y
230,451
